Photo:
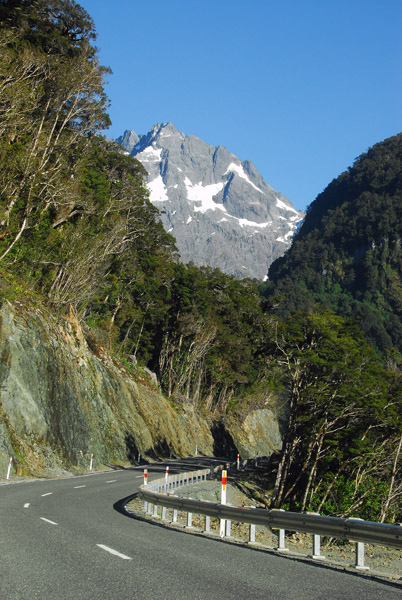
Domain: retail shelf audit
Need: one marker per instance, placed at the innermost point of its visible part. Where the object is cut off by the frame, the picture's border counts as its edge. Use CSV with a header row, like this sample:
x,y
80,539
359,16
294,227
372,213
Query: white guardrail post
x,y
359,553
10,462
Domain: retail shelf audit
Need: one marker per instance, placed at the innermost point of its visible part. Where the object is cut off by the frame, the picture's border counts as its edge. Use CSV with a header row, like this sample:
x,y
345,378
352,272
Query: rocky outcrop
x,y
258,434
220,210
63,398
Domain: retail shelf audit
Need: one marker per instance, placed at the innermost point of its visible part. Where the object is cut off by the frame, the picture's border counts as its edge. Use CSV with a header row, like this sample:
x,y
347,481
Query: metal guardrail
x,y
161,493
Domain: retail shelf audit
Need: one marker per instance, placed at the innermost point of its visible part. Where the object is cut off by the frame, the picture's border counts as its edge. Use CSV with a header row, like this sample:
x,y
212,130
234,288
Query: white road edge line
x,y
48,521
114,552
48,494
77,487
27,504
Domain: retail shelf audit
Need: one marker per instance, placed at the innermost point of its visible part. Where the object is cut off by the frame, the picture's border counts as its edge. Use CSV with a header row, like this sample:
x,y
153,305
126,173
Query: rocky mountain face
x,y
63,398
219,209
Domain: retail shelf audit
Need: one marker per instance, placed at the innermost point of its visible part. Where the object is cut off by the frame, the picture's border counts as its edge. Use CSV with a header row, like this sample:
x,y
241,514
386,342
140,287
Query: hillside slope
x,y
347,254
63,398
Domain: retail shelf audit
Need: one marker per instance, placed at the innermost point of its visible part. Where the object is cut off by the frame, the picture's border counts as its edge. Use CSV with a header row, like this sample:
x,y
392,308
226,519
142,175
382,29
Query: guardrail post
x,y
174,519
163,513
359,552
189,520
228,528
281,541
223,501
281,538
10,462
359,561
251,536
155,514
317,548
207,526
316,555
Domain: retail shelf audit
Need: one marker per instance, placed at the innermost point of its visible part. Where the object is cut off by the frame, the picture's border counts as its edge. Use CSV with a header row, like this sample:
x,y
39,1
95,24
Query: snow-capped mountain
x,y
219,208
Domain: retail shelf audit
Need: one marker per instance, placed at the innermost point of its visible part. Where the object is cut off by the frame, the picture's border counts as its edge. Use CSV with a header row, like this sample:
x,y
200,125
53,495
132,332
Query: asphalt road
x,y
68,539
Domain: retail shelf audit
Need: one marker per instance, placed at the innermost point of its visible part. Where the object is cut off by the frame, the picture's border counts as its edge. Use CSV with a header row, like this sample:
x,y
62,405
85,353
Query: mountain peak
x,y
219,209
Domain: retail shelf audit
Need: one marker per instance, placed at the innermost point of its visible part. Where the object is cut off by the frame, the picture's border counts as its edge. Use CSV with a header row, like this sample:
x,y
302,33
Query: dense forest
x,y
77,232
347,254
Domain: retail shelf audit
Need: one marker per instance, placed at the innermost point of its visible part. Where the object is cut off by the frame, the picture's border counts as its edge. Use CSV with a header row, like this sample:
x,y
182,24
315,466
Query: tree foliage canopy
x,y
347,254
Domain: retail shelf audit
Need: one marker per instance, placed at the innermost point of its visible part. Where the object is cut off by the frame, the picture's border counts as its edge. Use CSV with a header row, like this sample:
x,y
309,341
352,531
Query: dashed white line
x,y
48,521
112,481
77,487
27,504
114,552
48,494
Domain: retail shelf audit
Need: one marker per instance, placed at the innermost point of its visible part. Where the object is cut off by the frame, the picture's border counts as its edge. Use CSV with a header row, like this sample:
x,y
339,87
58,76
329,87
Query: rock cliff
x,y
63,398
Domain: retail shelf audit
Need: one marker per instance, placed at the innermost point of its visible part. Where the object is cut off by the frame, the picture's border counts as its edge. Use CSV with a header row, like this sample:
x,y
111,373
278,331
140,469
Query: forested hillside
x,y
79,236
347,254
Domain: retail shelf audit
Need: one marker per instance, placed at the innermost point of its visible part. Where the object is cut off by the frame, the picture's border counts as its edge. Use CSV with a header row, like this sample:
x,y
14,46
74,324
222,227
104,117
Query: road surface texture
x,y
68,539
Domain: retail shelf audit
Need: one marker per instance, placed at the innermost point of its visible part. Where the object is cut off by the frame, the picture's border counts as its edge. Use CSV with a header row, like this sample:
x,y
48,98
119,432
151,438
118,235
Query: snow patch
x,y
238,169
285,238
196,192
189,220
158,190
150,153
284,206
246,223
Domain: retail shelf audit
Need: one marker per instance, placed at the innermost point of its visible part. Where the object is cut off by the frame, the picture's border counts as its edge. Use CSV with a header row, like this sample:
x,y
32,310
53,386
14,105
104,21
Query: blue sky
x,y
299,87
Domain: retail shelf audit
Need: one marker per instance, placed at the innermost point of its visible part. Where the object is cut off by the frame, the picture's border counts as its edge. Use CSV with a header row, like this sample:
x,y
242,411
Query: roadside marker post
x,y
223,501
139,457
238,462
91,462
147,506
166,478
9,467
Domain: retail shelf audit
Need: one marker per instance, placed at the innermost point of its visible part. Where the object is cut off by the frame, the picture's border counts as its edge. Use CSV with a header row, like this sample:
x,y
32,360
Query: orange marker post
x,y
145,476
223,501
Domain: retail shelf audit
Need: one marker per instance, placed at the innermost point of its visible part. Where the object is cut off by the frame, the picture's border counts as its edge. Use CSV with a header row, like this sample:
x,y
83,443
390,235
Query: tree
x,y
51,102
338,396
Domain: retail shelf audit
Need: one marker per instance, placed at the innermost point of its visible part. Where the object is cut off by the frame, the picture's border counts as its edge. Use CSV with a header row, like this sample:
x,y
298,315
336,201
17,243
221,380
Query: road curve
x,y
67,539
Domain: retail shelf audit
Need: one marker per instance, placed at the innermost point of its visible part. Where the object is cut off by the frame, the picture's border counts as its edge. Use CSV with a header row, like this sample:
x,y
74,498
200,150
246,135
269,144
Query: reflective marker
x,y
223,501
9,468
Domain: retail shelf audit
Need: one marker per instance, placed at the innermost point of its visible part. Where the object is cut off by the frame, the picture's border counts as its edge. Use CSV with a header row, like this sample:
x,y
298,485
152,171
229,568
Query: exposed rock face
x,y
219,209
258,435
61,401
62,398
